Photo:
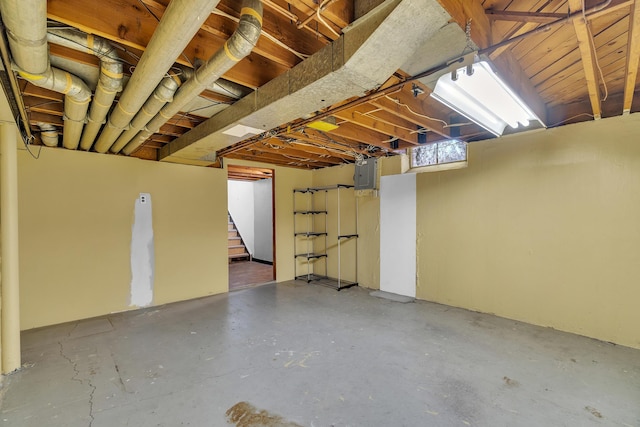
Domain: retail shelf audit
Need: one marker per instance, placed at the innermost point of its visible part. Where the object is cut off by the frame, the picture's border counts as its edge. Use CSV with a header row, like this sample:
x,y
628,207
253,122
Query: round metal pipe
x,y
163,94
27,33
109,84
76,100
238,46
48,134
180,22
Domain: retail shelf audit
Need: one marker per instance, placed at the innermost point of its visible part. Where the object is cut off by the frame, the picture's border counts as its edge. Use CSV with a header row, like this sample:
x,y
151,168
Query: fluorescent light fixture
x,y
327,124
242,130
476,92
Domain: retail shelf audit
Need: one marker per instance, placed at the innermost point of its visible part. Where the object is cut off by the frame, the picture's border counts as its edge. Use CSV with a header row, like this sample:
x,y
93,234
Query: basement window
x,y
433,156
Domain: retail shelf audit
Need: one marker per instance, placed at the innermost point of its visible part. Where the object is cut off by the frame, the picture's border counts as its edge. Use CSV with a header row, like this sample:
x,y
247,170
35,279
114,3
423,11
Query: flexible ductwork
x,y
27,32
237,47
48,134
109,84
163,94
180,22
76,100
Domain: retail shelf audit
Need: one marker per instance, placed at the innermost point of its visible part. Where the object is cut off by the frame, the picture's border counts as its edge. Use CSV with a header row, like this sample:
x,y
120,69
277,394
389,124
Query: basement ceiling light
x,y
327,124
476,92
242,130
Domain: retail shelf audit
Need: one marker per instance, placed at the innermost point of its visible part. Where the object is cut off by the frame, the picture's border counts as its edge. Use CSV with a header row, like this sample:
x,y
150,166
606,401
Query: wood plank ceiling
x,y
575,71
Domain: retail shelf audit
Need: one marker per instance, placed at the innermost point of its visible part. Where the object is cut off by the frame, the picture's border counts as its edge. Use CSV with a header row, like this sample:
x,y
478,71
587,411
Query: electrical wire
x,y
595,54
28,141
415,112
570,118
318,14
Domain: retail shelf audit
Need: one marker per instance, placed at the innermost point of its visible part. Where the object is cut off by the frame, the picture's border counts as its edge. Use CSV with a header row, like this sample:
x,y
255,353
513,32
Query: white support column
x,y
10,259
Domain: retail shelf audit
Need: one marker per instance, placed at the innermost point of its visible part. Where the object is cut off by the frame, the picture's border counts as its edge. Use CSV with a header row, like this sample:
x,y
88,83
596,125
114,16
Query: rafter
x,y
589,60
633,55
354,116
528,25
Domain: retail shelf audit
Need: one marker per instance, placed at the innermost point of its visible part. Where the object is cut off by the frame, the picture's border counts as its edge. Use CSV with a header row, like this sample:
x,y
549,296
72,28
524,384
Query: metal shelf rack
x,y
312,237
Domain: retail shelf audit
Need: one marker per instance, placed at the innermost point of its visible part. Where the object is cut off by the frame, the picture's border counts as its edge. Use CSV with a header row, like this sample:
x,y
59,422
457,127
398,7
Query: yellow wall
x,y
286,179
541,227
76,214
368,204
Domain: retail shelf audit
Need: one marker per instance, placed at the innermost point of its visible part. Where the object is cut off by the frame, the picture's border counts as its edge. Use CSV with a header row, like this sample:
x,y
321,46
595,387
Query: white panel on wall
x,y
241,208
263,223
142,253
398,234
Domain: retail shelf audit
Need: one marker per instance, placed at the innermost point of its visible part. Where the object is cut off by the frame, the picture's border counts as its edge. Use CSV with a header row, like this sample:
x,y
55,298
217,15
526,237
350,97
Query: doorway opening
x,y
251,226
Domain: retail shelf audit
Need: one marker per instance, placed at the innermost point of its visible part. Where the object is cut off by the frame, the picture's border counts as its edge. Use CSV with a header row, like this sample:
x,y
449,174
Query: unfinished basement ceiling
x,y
569,73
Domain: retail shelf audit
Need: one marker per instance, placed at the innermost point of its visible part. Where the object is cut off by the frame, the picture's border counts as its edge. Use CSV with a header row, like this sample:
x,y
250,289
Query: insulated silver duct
x,y
48,134
27,32
180,22
237,47
26,23
220,86
76,100
163,94
109,84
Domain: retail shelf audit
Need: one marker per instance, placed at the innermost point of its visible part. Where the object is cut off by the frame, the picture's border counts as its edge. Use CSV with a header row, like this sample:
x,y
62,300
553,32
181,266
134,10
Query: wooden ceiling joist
x,y
126,22
633,56
304,147
589,59
462,11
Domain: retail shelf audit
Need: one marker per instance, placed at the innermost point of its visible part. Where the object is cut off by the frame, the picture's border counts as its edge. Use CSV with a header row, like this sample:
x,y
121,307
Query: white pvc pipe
x,y
10,258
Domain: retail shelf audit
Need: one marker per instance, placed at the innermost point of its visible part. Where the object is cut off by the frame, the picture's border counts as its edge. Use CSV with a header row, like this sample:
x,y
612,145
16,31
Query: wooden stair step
x,y
237,249
233,256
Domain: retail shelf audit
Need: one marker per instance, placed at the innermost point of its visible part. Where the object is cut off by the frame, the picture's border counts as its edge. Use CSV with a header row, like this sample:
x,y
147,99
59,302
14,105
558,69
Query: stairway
x,y
237,249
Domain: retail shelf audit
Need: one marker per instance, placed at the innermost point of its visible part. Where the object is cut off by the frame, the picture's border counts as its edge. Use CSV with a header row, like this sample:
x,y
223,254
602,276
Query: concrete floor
x,y
308,355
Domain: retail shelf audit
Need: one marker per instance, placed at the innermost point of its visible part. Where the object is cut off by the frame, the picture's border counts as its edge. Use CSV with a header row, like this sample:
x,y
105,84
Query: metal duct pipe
x,y
109,84
76,100
48,134
220,86
27,32
237,47
163,94
26,22
180,22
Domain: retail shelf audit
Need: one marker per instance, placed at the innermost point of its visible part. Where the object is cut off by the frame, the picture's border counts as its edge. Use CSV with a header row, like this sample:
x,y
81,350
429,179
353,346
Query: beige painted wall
x,y
286,179
76,214
541,227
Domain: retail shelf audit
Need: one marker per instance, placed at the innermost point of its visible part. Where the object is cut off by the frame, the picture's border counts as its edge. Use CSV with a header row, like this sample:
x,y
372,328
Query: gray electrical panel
x,y
365,177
